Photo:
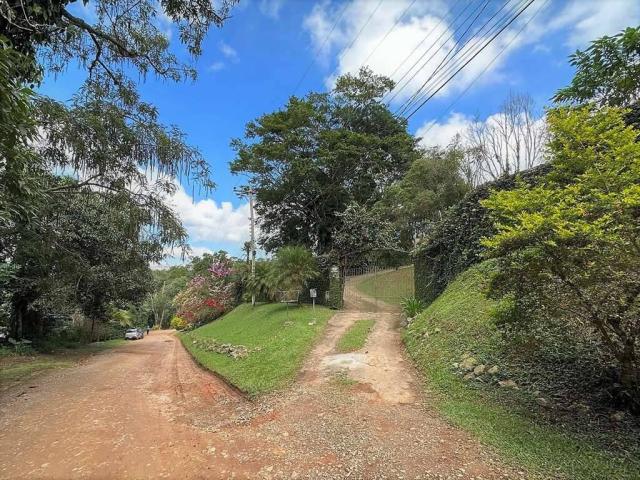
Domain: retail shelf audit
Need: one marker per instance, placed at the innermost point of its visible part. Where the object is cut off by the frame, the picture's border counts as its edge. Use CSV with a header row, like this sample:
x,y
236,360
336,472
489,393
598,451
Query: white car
x,y
134,334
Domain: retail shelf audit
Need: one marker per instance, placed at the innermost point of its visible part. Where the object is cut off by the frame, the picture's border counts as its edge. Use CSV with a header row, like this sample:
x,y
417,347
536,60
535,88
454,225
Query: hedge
x,y
453,245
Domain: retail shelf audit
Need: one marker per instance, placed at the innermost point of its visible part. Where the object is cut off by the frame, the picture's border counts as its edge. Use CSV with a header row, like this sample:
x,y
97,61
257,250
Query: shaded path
x,y
146,411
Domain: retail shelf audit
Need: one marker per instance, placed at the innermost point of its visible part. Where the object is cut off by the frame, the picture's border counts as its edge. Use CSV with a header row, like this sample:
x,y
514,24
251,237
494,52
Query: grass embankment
x,y
16,367
460,321
277,340
356,336
390,286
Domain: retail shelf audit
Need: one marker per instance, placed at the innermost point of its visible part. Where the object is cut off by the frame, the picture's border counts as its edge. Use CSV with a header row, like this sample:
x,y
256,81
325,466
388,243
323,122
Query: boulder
x,y
468,363
479,370
543,402
493,370
508,384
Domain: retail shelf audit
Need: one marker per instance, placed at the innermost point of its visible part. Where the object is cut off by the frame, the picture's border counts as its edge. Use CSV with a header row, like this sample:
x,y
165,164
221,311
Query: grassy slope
x,y
390,285
278,340
355,338
15,368
462,313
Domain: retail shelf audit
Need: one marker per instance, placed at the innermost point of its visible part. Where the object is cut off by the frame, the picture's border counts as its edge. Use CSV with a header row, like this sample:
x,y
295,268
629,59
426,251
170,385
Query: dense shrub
x,y
178,323
453,245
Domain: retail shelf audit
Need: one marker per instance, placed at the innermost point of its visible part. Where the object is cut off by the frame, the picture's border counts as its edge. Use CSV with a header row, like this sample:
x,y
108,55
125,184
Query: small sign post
x,y
313,293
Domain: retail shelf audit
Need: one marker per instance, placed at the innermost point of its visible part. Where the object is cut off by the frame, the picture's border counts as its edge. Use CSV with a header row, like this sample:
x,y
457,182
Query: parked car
x,y
134,334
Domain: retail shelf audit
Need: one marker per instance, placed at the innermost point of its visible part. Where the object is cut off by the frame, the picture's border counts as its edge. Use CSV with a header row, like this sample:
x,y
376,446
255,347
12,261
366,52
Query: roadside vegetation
x,y
23,363
258,349
355,338
458,333
536,350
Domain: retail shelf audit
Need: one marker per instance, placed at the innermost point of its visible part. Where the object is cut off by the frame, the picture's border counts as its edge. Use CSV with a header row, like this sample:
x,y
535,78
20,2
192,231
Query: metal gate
x,y
373,288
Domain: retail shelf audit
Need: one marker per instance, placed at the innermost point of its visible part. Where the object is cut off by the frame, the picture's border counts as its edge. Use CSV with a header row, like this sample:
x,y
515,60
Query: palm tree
x,y
293,266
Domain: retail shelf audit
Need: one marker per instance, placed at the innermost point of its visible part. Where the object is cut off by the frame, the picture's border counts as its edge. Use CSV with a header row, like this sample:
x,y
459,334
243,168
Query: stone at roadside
x,y
543,402
493,370
617,416
479,370
508,384
468,363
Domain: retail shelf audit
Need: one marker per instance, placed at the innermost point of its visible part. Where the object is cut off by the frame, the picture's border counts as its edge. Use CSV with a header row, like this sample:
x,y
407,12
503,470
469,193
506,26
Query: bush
x,y
454,244
412,306
178,323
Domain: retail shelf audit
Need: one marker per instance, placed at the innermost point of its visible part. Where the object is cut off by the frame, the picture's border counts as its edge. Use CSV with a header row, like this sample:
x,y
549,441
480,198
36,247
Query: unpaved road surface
x,y
146,410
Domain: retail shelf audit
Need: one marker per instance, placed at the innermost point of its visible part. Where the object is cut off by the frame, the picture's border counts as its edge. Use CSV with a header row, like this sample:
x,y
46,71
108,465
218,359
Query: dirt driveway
x,y
146,410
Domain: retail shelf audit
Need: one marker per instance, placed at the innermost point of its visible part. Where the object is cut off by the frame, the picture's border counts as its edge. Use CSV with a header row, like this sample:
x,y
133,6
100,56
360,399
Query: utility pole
x,y
253,244
242,191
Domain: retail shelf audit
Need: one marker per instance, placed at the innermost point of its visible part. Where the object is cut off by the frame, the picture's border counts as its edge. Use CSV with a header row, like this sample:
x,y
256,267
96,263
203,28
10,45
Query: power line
x,y
424,39
398,90
452,64
457,46
468,61
484,70
357,35
326,39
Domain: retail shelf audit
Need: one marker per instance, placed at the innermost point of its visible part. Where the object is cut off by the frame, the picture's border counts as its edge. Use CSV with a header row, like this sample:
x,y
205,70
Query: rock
x,y
543,402
508,384
468,376
617,416
493,370
468,363
456,365
479,370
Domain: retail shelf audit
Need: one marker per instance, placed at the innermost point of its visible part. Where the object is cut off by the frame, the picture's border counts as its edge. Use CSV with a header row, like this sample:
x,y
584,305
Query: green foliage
x,y
607,72
460,321
292,267
320,153
412,306
277,338
178,323
362,232
432,184
74,259
122,317
454,243
356,336
570,244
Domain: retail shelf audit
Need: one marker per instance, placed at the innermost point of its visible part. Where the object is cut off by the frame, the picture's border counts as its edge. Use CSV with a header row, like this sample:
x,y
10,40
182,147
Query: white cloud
x,y
428,24
209,221
228,51
434,134
216,66
589,19
271,8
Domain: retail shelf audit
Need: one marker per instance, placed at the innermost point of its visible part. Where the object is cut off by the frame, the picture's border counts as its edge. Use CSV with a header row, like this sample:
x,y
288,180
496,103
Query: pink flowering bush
x,y
206,297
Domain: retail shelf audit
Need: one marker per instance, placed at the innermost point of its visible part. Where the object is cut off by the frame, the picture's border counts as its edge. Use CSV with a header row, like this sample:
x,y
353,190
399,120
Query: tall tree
x,y
308,161
507,142
607,72
431,185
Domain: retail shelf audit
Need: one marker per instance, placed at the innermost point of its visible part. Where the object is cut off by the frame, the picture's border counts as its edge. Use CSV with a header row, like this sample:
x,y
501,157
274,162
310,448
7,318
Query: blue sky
x,y
252,64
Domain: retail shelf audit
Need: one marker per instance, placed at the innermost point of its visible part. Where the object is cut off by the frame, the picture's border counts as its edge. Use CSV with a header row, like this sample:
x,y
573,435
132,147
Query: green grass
x,y
16,367
459,321
390,286
356,336
278,340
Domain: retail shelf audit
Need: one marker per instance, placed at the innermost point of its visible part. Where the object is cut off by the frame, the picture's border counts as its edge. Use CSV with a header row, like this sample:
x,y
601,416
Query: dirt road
x,y
146,410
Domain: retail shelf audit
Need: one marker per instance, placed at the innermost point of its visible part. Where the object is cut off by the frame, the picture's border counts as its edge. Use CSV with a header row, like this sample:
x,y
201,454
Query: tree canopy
x,y
607,72
308,161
